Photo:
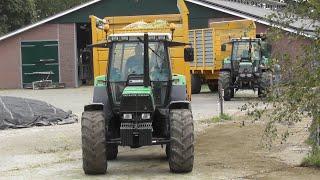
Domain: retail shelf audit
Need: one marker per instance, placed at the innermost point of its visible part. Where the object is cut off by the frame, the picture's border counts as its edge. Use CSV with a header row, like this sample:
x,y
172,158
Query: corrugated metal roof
x,y
266,4
257,14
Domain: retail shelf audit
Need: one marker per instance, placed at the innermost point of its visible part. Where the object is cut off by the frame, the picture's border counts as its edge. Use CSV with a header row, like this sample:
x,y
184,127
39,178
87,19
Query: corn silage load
x,y
157,24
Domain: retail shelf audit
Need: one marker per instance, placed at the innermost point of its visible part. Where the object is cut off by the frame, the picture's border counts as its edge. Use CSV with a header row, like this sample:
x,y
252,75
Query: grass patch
x,y
313,159
223,117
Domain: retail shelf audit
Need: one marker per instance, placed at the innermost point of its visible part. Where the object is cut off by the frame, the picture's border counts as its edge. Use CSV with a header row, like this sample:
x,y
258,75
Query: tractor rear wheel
x,y
168,151
224,83
181,148
112,151
94,150
195,84
264,84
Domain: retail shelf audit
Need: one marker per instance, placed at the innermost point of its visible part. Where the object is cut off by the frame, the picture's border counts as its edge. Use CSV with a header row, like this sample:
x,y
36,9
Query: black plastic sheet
x,y
23,113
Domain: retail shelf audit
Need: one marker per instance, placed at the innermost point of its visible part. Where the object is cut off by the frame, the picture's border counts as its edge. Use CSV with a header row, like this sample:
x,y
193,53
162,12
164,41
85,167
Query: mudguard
x,y
93,107
100,102
179,105
179,93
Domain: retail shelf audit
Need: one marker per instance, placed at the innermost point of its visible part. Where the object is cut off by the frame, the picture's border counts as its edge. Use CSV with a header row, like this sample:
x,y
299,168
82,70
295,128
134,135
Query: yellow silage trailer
x,y
117,24
207,44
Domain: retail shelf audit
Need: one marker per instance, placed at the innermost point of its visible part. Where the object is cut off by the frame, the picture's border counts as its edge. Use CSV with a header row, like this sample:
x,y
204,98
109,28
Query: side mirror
x,y
223,47
188,54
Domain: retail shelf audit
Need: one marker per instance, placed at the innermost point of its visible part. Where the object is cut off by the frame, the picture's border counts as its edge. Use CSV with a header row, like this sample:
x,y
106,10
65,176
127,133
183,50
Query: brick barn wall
x,y
293,47
67,49
10,58
10,66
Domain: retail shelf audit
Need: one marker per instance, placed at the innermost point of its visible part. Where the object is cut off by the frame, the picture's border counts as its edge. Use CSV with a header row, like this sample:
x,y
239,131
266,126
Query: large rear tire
x,y
195,84
94,150
168,151
181,148
224,83
112,151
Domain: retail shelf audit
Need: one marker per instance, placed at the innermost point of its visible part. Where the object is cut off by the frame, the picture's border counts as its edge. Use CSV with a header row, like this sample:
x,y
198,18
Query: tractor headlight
x,y
127,116
145,116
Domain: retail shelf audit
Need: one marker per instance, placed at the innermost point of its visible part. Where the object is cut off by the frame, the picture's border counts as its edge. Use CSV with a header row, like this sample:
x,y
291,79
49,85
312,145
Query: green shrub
x,y
223,117
313,159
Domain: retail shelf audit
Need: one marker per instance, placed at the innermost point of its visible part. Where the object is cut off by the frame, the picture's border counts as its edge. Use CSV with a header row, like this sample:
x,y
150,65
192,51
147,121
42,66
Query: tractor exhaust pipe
x,y
146,78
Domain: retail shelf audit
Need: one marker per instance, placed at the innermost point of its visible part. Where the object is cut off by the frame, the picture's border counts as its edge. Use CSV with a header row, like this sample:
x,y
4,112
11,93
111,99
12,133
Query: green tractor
x,y
139,102
246,68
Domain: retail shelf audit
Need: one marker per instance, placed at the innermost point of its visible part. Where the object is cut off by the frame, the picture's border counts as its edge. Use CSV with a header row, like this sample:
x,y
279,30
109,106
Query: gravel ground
x,y
222,150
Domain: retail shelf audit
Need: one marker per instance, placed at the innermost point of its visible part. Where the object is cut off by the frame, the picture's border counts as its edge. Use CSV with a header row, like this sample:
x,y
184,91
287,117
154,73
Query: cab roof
x,y
135,36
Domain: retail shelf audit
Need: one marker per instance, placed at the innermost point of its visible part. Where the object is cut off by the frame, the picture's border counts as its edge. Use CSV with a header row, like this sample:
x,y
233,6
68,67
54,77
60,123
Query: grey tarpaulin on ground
x,y
22,113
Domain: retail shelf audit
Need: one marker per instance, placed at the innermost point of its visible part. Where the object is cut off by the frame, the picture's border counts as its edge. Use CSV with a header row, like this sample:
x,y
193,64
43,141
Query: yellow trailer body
x,y
207,46
117,24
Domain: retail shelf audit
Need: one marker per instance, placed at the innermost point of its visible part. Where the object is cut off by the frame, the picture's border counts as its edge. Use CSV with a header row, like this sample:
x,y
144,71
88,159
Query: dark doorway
x,y
85,63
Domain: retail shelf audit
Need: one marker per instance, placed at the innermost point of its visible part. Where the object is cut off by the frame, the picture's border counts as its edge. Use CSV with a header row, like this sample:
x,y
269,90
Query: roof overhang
x,y
261,20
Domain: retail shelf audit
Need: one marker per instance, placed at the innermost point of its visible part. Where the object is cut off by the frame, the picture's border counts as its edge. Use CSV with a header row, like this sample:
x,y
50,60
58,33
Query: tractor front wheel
x,y
94,150
264,84
181,148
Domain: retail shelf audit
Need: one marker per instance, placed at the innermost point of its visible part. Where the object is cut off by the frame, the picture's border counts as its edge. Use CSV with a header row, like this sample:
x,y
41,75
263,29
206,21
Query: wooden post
x,y
221,100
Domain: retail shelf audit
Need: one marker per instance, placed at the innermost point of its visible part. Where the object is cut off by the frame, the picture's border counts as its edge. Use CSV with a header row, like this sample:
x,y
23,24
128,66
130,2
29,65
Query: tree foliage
x,y
297,95
45,8
15,14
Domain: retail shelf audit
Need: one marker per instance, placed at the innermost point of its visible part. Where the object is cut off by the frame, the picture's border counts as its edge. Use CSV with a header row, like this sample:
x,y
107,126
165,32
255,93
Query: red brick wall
x,y
67,55
291,46
10,66
10,50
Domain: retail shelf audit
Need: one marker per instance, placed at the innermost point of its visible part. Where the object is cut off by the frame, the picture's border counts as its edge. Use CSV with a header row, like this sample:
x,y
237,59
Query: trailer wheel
x,y
224,83
181,148
94,150
195,84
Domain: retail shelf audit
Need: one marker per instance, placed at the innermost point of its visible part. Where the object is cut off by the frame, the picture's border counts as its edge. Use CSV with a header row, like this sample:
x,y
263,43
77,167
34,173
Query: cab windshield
x,y
127,58
245,51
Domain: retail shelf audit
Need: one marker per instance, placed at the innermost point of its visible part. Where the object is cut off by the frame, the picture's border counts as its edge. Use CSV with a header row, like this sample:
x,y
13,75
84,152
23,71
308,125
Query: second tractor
x,y
246,68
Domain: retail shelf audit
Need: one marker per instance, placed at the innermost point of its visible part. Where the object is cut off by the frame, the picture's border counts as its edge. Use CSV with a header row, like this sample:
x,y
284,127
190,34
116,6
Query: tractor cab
x,y
246,57
135,66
